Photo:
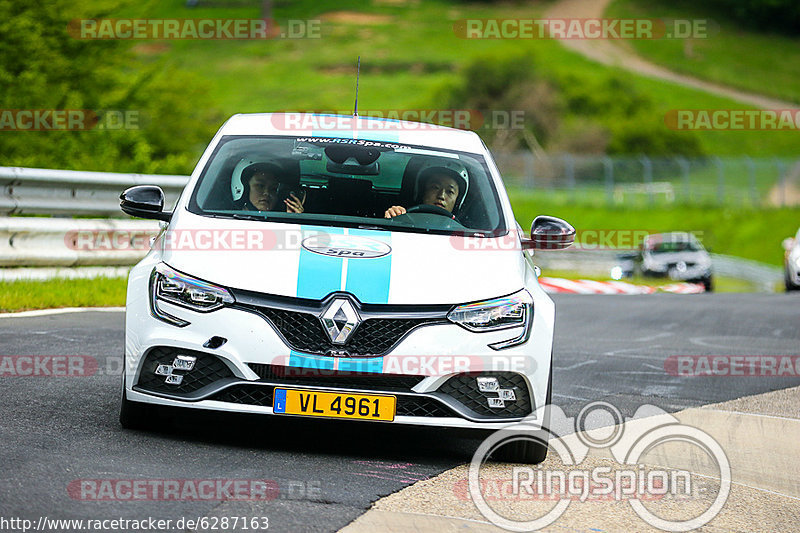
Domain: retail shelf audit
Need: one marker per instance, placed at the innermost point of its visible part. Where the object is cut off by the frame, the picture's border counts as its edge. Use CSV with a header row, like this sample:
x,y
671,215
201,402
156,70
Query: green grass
x,y
99,292
748,233
762,63
406,59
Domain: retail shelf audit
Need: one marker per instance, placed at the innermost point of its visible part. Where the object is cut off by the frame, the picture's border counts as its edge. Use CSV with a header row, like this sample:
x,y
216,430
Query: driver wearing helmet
x,y
443,185
261,182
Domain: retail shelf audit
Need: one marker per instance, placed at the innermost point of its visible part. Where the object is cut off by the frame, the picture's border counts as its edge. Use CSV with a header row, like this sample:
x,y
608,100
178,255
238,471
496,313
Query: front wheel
x,y
132,415
708,283
531,449
525,450
788,282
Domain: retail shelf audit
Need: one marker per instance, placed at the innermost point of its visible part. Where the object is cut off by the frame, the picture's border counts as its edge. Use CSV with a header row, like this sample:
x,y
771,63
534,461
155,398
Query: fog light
x,y
174,379
496,402
488,384
164,370
184,362
507,394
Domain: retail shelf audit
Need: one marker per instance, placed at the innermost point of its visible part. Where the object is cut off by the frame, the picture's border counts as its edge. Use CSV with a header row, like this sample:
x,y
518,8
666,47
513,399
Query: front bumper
x,y
432,369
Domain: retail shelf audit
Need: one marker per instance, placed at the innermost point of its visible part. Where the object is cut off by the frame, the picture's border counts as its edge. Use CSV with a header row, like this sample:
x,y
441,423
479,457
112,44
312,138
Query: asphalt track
x,y
54,431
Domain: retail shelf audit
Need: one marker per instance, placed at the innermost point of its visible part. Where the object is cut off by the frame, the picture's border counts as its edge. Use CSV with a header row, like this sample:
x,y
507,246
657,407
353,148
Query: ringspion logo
x,y
642,469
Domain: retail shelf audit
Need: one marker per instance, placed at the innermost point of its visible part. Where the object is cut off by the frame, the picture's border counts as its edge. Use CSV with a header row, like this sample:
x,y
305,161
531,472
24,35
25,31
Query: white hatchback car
x,y
347,268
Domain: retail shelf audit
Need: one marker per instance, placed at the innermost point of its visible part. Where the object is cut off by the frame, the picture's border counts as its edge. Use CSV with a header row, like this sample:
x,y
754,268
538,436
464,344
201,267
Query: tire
x,y
708,283
532,450
132,415
789,285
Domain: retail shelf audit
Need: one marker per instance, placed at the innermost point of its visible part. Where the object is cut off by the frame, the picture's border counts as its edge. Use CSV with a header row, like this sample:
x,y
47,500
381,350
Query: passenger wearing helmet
x,y
442,186
261,182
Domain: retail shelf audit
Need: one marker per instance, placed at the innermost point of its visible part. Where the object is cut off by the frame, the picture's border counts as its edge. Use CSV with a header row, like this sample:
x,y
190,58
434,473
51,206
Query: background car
x,y
791,262
676,255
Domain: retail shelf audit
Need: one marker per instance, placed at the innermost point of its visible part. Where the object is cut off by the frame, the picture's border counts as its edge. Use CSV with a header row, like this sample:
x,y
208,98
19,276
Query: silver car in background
x,y
676,255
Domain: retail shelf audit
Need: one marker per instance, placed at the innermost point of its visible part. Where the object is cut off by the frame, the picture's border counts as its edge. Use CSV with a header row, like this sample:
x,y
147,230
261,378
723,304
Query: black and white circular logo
x,y
346,246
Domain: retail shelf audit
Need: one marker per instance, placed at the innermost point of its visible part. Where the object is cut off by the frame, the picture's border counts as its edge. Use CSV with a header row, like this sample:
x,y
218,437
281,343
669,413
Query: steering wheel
x,y
431,209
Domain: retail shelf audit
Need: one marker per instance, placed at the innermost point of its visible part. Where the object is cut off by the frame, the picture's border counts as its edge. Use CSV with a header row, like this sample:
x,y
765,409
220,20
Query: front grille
x,y
207,369
375,336
246,394
464,389
410,406
261,395
314,377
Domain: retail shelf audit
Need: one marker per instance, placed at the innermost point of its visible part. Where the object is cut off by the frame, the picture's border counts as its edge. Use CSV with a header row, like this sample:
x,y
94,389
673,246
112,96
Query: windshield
x,y
349,182
676,245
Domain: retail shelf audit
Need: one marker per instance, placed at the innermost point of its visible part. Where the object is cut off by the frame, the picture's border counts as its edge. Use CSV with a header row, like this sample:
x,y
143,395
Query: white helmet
x,y
451,167
237,185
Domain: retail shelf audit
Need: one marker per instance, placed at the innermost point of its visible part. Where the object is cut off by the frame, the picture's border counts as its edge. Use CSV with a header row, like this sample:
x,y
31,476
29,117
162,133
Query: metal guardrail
x,y
66,242
71,192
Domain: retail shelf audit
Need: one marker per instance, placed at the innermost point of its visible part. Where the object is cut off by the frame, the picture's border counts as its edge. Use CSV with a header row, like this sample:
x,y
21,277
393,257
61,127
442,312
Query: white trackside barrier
x,y
586,286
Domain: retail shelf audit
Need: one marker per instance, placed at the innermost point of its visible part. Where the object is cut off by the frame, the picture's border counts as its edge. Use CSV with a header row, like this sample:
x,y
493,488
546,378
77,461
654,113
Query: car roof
x,y
344,126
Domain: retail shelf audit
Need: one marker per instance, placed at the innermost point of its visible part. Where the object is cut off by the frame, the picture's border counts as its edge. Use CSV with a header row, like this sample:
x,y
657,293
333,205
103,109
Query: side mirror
x,y
144,201
549,233
788,243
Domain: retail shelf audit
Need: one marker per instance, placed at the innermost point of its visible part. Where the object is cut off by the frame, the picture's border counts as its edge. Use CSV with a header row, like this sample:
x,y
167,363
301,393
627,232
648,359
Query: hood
x,y
306,261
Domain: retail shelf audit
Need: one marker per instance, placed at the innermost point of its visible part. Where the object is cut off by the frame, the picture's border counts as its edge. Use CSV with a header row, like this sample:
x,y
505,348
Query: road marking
x,y
62,310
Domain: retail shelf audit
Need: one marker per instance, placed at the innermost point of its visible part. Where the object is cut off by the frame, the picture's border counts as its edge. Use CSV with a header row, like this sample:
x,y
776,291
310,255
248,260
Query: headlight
x,y
171,286
499,313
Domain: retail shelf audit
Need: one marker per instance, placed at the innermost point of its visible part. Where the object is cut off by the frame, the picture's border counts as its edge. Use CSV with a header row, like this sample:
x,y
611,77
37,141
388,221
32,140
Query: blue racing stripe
x,y
369,279
372,364
318,275
304,360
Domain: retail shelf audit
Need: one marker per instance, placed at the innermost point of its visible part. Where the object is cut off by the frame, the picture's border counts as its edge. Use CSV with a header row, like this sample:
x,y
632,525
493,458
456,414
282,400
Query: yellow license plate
x,y
333,404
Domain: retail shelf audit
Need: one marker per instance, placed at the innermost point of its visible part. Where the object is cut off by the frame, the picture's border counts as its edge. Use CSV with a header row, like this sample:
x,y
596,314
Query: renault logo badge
x,y
339,320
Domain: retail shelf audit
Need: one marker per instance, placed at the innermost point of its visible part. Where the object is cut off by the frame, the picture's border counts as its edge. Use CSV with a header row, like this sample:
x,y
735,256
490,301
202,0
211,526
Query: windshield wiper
x,y
239,216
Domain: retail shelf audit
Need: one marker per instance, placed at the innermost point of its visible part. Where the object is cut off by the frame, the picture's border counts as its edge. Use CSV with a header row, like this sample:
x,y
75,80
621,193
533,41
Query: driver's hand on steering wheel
x,y
394,211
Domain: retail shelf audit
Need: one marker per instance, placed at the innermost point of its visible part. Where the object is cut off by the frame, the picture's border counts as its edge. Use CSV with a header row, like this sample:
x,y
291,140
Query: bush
x,y
44,68
563,112
780,15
